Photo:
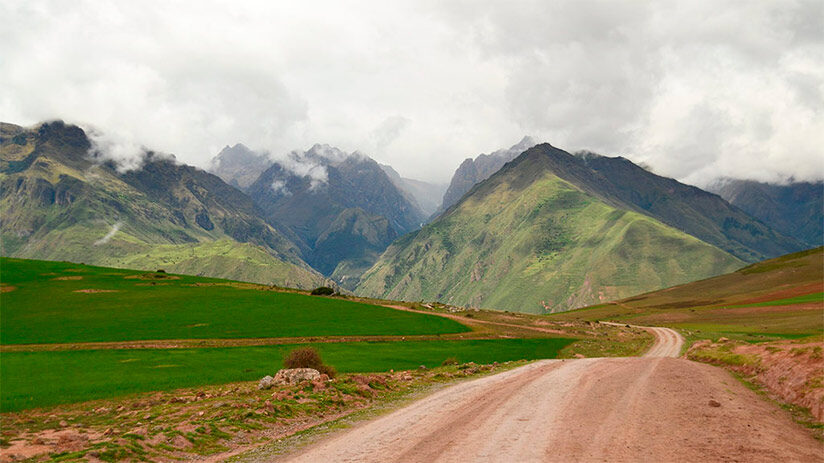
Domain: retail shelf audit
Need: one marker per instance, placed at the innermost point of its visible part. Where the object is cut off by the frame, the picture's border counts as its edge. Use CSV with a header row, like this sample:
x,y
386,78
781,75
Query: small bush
x,y
307,357
450,361
160,270
328,370
323,291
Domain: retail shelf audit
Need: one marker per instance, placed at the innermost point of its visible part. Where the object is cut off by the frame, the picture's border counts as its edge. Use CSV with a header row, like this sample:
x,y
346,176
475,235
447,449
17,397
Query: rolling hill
x,y
541,235
61,200
781,297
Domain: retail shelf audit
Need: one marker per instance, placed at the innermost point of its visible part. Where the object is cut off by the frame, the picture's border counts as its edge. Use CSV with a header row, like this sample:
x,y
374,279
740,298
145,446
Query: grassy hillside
x,y
692,210
58,203
58,302
526,240
782,297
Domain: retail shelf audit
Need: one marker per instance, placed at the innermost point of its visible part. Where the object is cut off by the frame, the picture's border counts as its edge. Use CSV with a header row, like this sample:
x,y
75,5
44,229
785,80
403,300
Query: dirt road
x,y
652,409
668,342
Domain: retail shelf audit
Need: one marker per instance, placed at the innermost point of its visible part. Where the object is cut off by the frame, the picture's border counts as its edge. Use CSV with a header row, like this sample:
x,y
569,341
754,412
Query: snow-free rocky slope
x,y
341,209
795,209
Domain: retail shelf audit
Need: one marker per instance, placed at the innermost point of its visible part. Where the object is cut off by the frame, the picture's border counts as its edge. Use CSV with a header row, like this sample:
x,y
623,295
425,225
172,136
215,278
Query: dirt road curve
x,y
668,343
653,409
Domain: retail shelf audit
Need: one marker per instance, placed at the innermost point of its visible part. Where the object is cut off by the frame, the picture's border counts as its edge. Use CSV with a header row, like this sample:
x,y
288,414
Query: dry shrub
x,y
307,357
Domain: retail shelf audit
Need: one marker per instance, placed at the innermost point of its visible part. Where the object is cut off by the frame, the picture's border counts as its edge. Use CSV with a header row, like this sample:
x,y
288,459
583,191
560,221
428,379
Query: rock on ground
x,y
296,375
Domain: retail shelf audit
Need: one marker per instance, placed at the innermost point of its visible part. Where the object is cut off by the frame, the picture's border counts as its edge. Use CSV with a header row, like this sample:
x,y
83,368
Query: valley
x,y
78,339
167,292
162,363
469,232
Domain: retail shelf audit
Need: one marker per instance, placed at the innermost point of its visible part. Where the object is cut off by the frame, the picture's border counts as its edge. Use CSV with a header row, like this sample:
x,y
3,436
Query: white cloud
x,y
693,89
121,149
279,186
109,235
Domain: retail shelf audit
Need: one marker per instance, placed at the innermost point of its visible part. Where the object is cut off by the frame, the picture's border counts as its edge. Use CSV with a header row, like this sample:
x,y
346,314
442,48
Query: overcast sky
x,y
693,89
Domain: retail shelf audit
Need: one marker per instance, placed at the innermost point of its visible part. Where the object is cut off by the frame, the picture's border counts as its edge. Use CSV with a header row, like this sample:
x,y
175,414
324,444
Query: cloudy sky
x,y
693,89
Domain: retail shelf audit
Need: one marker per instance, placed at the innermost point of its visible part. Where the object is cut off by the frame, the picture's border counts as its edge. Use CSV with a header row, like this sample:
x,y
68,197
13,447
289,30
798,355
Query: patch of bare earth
x,y
68,278
792,371
94,291
7,289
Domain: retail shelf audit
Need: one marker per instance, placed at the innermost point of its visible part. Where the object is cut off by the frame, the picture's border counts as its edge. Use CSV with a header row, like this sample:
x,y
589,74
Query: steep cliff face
x,y
426,195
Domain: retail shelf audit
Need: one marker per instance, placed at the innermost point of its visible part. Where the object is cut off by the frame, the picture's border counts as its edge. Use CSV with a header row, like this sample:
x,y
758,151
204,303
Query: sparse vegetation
x,y
185,424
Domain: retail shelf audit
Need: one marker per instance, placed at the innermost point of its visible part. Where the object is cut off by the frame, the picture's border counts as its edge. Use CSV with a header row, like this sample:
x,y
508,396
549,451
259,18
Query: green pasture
x,y
44,306
38,379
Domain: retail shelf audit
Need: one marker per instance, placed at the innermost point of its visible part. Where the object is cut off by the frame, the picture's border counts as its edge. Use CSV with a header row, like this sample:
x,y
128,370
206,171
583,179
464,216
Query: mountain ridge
x,y
325,193
61,200
474,170
528,239
795,209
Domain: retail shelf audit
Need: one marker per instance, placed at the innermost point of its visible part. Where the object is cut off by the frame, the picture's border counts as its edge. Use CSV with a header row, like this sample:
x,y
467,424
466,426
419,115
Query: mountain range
x,y
341,209
238,165
59,201
426,195
530,228
795,209
551,231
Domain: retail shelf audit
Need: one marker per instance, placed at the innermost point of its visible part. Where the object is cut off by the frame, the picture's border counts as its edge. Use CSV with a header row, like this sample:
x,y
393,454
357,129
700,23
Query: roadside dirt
x,y
620,409
791,371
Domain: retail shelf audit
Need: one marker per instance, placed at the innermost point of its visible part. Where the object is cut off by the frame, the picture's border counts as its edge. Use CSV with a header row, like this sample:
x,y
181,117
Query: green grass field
x,y
43,305
38,379
779,298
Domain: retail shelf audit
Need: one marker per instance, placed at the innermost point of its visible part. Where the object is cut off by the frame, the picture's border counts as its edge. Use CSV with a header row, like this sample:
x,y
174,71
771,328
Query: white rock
x,y
296,375
266,382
